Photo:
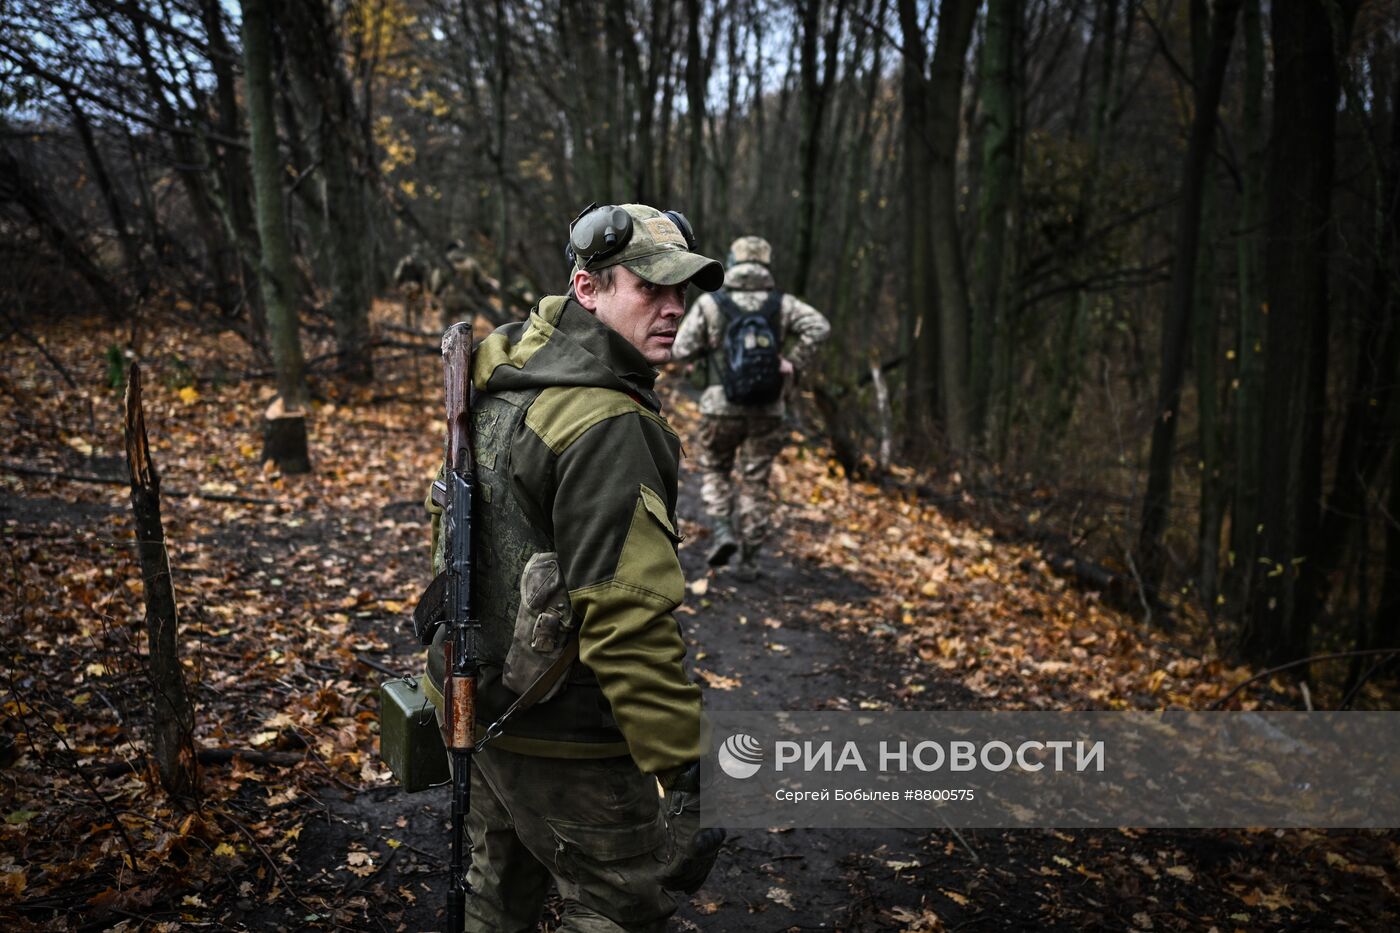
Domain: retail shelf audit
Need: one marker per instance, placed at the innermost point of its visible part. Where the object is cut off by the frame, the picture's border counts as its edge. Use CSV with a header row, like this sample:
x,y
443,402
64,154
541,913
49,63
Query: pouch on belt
x,y
543,625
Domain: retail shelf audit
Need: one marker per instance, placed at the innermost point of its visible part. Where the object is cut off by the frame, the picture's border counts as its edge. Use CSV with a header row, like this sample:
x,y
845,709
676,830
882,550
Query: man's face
x,y
646,315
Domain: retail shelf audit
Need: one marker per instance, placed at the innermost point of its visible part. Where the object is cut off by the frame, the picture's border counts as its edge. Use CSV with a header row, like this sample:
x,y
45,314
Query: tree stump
x,y
284,439
172,713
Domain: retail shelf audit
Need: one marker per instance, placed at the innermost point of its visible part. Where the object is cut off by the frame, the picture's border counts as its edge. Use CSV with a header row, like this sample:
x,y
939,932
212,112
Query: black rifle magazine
x,y
431,610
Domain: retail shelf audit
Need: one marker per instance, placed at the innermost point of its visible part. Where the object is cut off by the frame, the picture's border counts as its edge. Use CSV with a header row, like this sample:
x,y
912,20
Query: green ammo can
x,y
409,740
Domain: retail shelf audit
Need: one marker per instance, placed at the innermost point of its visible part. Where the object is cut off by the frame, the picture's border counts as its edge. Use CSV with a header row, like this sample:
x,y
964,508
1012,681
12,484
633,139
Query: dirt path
x,y
760,636
766,651
380,854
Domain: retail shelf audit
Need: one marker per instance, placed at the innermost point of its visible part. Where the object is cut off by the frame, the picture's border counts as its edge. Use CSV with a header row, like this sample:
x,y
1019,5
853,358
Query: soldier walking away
x,y
574,532
459,284
753,341
409,277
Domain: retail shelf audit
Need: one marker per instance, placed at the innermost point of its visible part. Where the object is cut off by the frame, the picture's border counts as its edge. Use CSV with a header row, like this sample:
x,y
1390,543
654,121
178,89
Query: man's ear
x,y
585,290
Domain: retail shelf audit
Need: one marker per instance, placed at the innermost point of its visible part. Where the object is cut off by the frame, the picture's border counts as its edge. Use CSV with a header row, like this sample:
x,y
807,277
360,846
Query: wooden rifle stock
x,y
460,649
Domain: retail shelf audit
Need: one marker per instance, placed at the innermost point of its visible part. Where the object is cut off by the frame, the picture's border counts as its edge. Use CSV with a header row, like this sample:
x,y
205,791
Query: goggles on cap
x,y
599,232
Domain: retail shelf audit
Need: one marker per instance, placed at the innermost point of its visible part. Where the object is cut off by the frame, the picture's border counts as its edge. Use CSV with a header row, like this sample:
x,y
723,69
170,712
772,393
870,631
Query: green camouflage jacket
x,y
593,468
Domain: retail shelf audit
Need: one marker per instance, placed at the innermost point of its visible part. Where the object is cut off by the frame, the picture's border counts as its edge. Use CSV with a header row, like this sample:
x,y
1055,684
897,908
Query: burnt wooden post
x,y
172,713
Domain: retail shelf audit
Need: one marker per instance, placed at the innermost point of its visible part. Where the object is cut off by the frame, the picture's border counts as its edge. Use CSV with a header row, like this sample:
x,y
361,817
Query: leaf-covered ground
x,y
287,585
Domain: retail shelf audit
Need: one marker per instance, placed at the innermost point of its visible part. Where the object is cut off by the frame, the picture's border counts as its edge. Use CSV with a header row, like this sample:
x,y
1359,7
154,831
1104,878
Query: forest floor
x,y
870,599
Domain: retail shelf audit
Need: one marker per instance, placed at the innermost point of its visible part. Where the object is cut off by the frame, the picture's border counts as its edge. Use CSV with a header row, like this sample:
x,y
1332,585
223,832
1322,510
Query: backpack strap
x,y
770,308
714,357
726,304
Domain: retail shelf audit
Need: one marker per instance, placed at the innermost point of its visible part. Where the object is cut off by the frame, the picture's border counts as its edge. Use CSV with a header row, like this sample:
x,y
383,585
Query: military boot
x,y
724,546
747,571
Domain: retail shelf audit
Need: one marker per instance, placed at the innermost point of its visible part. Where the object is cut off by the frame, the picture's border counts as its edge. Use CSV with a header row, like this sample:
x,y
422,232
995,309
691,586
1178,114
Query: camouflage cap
x,y
750,249
657,252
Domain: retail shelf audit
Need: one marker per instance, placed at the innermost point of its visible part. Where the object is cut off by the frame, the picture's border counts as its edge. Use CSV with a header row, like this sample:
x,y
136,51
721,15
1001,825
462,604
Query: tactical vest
x,y
504,538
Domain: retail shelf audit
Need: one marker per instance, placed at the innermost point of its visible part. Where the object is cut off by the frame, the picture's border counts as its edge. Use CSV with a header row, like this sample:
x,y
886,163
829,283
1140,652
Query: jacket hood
x,y
561,344
748,277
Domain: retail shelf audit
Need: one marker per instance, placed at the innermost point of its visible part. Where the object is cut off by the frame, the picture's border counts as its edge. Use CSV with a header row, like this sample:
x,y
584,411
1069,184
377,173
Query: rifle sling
x,y
548,677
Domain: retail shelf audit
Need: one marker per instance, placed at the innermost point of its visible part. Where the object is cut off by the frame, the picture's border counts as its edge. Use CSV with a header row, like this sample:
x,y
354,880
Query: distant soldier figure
x,y
461,284
753,340
408,276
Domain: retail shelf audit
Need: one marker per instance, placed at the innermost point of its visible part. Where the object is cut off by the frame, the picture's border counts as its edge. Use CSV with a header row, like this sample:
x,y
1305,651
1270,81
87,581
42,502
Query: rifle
x,y
461,649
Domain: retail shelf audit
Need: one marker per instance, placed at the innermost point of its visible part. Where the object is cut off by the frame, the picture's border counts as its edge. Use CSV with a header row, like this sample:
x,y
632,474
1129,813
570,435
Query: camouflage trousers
x,y
755,441
412,294
595,827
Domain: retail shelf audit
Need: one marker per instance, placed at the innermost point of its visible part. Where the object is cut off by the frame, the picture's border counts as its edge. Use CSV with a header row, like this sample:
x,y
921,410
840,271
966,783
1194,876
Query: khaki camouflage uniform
x,y
408,276
574,459
752,434
456,286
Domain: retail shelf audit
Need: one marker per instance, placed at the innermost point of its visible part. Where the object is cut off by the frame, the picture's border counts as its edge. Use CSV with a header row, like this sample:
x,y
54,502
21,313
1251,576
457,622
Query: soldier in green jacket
x,y
575,533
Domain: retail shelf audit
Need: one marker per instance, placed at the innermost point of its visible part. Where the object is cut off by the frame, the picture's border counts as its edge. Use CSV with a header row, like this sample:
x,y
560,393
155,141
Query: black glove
x,y
695,849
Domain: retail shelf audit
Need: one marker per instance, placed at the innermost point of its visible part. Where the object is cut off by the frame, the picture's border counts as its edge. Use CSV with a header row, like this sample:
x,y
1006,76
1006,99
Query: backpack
x,y
750,354
409,271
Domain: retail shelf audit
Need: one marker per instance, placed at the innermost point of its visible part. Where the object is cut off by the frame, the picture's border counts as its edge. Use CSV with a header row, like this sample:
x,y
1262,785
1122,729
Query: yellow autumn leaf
x,y
12,882
189,395
224,850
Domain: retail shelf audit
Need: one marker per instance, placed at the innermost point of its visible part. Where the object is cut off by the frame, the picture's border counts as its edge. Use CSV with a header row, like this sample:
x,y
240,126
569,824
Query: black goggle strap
x,y
684,227
569,253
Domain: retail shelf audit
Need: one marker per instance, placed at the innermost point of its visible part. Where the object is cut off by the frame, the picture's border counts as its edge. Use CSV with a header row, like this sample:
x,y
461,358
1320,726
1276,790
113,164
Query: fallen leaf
x,y
718,681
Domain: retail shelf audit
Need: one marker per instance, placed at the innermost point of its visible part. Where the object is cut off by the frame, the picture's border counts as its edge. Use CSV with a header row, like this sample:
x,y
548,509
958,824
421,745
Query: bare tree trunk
x,y
285,440
1250,343
955,21
921,309
814,99
501,87
1373,405
1181,301
1062,394
696,80
326,100
1301,162
236,184
1206,318
172,713
999,180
